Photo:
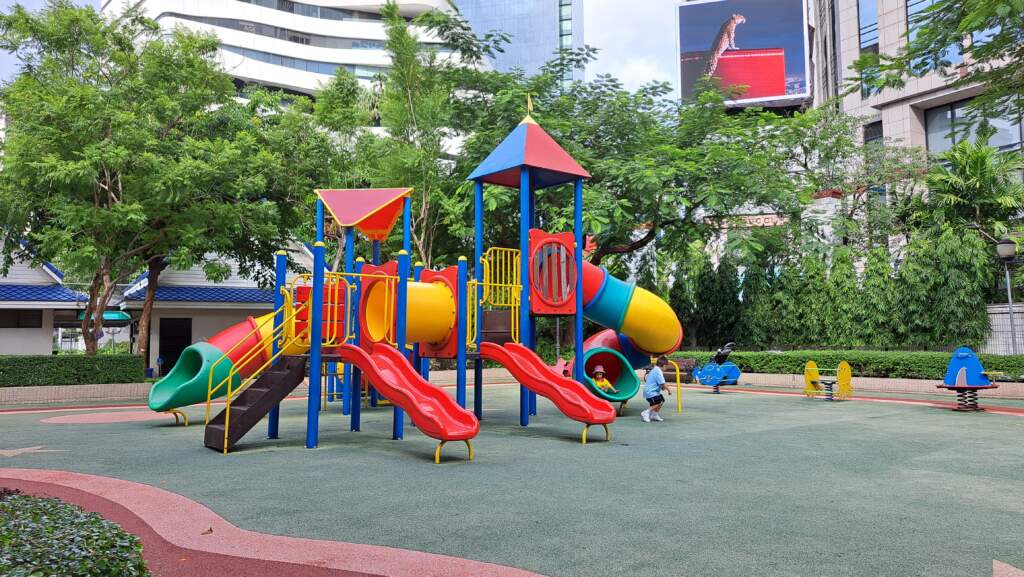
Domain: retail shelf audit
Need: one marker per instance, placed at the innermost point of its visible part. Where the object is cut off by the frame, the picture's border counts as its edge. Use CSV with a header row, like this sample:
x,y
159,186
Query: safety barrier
x,y
501,289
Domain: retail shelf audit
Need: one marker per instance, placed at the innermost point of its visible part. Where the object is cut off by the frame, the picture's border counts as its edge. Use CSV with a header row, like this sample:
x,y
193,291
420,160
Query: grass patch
x,y
43,537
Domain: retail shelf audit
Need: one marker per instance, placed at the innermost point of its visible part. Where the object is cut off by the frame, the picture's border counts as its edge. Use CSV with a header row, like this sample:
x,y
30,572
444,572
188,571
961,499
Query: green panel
x,y
189,380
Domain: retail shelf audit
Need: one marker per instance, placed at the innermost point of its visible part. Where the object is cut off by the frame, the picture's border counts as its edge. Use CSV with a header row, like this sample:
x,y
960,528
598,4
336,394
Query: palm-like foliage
x,y
976,183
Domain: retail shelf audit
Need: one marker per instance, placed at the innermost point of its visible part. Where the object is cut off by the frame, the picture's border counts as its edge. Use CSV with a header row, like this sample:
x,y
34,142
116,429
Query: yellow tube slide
x,y
430,314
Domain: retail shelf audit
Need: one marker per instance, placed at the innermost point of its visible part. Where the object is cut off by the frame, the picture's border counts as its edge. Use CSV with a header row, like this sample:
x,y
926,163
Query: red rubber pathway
x,y
182,538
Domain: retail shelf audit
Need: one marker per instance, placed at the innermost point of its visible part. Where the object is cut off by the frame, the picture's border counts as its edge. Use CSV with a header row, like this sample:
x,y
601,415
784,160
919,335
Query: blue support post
x,y
407,228
319,221
460,334
350,253
478,273
315,340
280,279
524,279
578,254
354,394
402,305
375,253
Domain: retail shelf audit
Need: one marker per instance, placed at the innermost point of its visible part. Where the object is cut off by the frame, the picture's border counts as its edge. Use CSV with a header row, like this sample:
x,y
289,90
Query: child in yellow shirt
x,y
601,382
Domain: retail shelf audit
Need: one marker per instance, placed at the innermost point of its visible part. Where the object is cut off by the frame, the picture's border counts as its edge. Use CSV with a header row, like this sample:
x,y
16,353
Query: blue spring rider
x,y
719,372
965,376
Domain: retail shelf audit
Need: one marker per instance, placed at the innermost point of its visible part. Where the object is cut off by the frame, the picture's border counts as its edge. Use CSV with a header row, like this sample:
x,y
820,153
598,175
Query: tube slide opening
x,y
616,369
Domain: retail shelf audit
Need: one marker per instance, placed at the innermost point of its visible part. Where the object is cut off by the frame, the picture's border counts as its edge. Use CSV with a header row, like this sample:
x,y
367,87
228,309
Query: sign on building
x,y
757,44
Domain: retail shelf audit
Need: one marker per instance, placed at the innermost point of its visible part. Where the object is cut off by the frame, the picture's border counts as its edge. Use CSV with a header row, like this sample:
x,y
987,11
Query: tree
x,y
757,319
975,184
844,316
126,150
790,322
680,298
942,287
988,34
814,307
716,303
877,301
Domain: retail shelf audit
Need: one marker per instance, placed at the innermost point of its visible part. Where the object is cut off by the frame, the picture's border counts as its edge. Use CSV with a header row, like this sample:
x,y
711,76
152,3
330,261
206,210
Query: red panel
x,y
449,348
593,280
389,268
235,334
373,210
762,70
543,152
334,310
552,286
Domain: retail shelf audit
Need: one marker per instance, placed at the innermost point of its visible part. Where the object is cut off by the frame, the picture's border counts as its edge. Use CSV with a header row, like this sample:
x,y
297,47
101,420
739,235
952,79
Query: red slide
x,y
431,409
571,397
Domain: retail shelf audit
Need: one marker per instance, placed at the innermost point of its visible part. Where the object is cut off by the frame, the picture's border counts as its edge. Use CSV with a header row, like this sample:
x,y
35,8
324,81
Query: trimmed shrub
x,y
886,364
28,370
50,537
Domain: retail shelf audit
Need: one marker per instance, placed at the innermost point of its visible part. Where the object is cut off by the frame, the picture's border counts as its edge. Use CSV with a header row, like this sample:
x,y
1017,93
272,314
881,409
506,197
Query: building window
x,y
268,30
949,124
873,132
867,14
914,9
329,68
21,319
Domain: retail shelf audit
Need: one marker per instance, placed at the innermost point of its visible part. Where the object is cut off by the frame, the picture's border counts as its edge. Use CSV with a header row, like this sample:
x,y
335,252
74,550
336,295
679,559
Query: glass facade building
x,y
539,29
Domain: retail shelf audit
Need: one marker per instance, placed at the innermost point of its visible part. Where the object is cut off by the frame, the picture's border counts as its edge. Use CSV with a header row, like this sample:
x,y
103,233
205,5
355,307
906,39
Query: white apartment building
x,y
290,45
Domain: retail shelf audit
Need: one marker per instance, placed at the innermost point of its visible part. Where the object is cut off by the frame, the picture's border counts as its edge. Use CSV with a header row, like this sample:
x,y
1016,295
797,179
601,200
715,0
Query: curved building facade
x,y
291,45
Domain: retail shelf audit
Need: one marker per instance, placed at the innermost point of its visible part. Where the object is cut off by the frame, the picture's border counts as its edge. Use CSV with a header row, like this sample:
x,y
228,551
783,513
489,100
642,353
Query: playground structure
x,y
383,320
719,371
835,383
966,376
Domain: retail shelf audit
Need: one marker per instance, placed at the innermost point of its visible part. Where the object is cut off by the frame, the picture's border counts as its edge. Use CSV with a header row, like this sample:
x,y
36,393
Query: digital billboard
x,y
760,44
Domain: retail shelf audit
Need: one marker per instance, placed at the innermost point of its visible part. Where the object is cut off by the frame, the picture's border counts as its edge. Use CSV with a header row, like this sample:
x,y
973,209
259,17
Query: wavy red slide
x,y
432,410
572,398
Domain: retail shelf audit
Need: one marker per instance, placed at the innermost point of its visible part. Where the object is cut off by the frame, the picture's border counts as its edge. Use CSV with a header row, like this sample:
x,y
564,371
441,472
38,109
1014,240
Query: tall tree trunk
x,y
156,265
100,291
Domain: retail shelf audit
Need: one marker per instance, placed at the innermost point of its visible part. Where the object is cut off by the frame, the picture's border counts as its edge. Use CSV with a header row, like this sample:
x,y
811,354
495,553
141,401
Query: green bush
x,y
888,364
27,370
49,537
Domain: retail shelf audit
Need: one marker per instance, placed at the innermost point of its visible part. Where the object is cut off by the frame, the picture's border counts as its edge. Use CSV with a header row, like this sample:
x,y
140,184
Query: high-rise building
x,y
292,45
928,110
539,29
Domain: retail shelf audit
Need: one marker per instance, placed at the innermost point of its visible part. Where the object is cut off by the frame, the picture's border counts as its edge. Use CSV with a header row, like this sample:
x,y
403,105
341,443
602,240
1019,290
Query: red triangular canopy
x,y
373,211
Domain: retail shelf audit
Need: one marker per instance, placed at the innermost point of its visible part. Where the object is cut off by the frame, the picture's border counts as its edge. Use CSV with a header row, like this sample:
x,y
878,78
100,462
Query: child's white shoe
x,y
656,417
645,416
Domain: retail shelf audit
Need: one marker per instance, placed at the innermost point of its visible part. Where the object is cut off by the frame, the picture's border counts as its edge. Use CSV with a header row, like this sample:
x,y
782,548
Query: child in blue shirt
x,y
654,384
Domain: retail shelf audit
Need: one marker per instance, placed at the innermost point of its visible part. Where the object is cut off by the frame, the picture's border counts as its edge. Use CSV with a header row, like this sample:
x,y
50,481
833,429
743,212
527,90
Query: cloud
x,y
637,40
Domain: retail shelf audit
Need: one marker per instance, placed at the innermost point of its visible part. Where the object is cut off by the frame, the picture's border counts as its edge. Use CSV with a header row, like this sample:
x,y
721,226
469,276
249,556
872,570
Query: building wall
x,y
205,323
900,111
23,273
284,63
29,341
533,24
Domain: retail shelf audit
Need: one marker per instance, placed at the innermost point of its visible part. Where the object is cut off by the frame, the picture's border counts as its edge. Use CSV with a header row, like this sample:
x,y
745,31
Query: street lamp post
x,y
1007,250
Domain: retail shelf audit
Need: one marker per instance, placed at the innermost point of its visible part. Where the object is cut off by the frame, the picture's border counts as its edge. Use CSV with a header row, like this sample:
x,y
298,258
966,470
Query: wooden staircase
x,y
252,404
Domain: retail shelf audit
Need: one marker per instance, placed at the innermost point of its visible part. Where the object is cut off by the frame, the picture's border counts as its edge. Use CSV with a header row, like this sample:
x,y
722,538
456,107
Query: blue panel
x,y
964,358
508,154
608,308
40,293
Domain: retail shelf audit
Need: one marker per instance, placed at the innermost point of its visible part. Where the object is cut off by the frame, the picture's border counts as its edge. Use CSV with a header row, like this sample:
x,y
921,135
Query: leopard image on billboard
x,y
757,44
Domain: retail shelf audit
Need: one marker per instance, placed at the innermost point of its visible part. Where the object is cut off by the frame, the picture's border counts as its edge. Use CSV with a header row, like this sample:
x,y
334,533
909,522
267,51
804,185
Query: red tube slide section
x,y
571,397
432,410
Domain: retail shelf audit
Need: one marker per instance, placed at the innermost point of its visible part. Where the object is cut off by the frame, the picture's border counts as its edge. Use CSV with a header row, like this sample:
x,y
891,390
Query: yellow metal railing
x,y
501,289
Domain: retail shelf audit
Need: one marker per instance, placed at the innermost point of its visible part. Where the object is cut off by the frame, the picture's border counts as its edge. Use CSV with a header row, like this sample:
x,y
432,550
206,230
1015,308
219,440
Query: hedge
x,y
27,370
41,536
887,364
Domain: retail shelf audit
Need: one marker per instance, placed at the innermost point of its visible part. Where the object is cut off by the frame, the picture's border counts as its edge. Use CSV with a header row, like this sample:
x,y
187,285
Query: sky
x,y
637,39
